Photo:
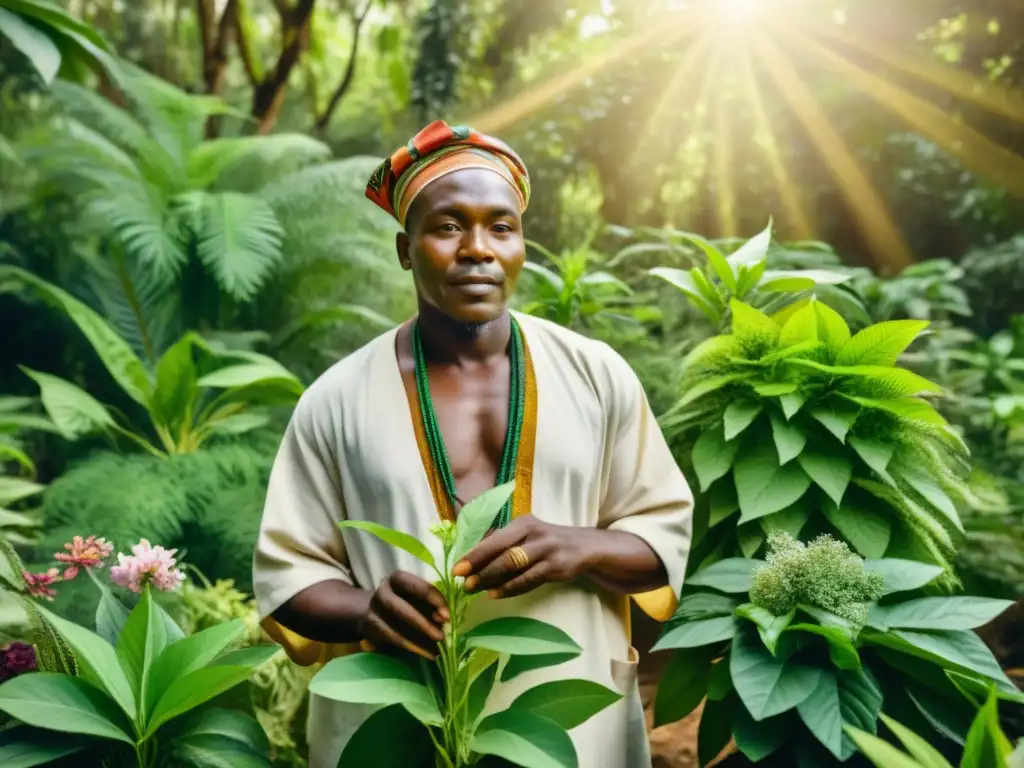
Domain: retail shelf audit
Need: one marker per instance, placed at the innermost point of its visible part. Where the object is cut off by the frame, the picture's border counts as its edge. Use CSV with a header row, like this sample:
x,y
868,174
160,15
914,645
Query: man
x,y
433,413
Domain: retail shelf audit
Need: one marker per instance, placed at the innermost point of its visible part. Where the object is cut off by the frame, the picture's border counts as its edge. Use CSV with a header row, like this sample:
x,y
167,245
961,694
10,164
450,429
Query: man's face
x,y
465,244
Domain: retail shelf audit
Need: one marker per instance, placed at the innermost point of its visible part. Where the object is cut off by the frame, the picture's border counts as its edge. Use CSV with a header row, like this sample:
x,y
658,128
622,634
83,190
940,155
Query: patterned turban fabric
x,y
436,151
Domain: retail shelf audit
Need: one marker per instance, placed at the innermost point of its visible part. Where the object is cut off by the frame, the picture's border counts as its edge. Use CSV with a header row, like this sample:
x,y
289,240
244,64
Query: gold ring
x,y
518,557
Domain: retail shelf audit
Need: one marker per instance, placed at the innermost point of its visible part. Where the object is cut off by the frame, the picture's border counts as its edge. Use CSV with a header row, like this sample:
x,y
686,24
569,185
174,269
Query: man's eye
x,y
448,227
502,228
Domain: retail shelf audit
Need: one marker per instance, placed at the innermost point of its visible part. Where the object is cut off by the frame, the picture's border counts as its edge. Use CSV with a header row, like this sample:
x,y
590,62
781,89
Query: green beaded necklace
x,y
516,409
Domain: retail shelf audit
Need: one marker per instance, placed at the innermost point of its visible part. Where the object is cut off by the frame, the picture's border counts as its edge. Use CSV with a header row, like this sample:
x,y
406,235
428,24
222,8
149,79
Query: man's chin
x,y
476,314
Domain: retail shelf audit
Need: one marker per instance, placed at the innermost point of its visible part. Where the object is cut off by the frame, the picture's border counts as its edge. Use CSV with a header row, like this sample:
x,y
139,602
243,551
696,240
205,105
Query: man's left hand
x,y
543,553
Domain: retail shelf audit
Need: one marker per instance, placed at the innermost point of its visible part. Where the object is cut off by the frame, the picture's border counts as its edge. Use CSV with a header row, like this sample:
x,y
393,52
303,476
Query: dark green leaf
x,y
953,650
185,656
24,747
840,647
762,485
758,740
221,738
868,531
704,605
516,665
713,456
172,398
525,739
694,634
903,575
111,615
63,703
194,689
790,520
766,685
837,417
715,728
720,683
683,684
750,537
142,640
789,439
829,469
480,689
567,703
875,454
408,741
722,502
732,575
947,613
739,415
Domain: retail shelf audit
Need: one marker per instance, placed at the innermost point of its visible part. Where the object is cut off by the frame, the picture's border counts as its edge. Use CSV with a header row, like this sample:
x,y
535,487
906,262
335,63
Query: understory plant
x,y
791,650
131,693
433,714
196,390
17,469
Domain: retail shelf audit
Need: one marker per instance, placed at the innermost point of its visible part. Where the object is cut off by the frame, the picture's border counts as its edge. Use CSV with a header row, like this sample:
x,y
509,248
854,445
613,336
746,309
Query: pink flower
x,y
147,565
17,659
39,584
84,553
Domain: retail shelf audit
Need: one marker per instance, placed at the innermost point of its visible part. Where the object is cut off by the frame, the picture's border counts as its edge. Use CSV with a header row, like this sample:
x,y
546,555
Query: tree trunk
x,y
350,70
268,95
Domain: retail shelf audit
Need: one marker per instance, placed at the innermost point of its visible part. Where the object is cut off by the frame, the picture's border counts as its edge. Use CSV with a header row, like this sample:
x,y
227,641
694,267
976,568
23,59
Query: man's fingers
x,y
394,607
503,569
525,582
380,632
415,589
491,547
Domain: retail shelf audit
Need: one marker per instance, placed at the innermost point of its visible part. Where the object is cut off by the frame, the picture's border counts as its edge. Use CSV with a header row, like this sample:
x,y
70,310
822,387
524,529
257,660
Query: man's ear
x,y
402,247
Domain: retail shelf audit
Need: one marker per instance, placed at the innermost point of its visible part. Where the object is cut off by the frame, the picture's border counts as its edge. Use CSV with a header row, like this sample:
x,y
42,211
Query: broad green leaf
x,y
685,282
111,615
37,47
719,264
881,753
399,539
762,485
926,755
875,454
64,703
14,489
748,278
867,531
844,697
369,678
704,605
116,354
184,656
754,251
774,388
986,743
766,685
516,665
479,690
720,684
220,738
832,328
791,403
25,747
250,374
477,518
141,641
73,410
797,280
722,502
908,408
951,649
881,344
525,739
567,703
750,537
789,439
758,740
175,387
950,613
97,660
683,684
841,649
251,656
829,469
752,324
790,520
713,456
801,327
932,492
407,739
520,636
706,386
837,417
194,689
715,728
881,382
903,575
732,575
695,634
739,415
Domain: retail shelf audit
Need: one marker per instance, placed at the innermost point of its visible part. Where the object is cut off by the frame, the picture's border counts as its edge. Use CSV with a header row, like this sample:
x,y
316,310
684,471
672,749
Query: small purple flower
x,y
17,659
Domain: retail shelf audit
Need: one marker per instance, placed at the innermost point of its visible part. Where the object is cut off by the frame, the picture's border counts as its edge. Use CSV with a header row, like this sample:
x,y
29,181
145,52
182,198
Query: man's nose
x,y
476,246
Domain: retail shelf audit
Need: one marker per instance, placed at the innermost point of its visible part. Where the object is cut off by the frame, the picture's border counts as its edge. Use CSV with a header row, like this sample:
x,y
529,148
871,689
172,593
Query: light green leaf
x,y
832,328
97,660
903,575
221,738
774,388
766,685
769,626
526,739
477,518
821,714
837,417
517,635
881,753
948,613
683,684
754,251
790,520
719,264
705,387
750,537
951,649
175,388
63,703
867,531
739,415
752,324
184,656
881,344
250,374
369,678
830,470
801,327
684,281
408,741
713,456
789,439
875,454
845,697
111,615
141,641
797,280
986,743
762,485
791,403
14,489
118,357
567,703
932,492
695,634
37,47
926,755
74,411
732,575
399,539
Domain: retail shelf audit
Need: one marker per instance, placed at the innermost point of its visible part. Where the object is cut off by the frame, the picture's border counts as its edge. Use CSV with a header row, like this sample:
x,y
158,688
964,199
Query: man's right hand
x,y
406,612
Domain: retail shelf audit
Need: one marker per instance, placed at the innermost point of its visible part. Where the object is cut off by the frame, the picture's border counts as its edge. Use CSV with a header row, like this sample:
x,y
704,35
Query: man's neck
x,y
448,341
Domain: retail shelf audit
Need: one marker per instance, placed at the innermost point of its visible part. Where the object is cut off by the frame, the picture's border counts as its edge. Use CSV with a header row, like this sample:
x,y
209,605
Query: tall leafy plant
x,y
18,481
195,391
439,708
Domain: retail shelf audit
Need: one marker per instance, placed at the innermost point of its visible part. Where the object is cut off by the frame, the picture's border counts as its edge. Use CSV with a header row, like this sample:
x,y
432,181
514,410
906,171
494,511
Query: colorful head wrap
x,y
436,151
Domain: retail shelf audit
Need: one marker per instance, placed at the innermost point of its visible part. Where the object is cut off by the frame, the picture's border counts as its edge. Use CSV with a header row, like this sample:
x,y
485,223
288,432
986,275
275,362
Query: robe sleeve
x,y
645,492
299,542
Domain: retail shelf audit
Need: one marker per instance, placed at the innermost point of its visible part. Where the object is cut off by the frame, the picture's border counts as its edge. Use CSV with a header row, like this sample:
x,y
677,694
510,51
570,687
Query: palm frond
x,y
238,238
250,162
148,231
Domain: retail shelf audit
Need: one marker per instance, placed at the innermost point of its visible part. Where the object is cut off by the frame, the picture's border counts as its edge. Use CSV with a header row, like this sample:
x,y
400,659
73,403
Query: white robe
x,y
350,452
